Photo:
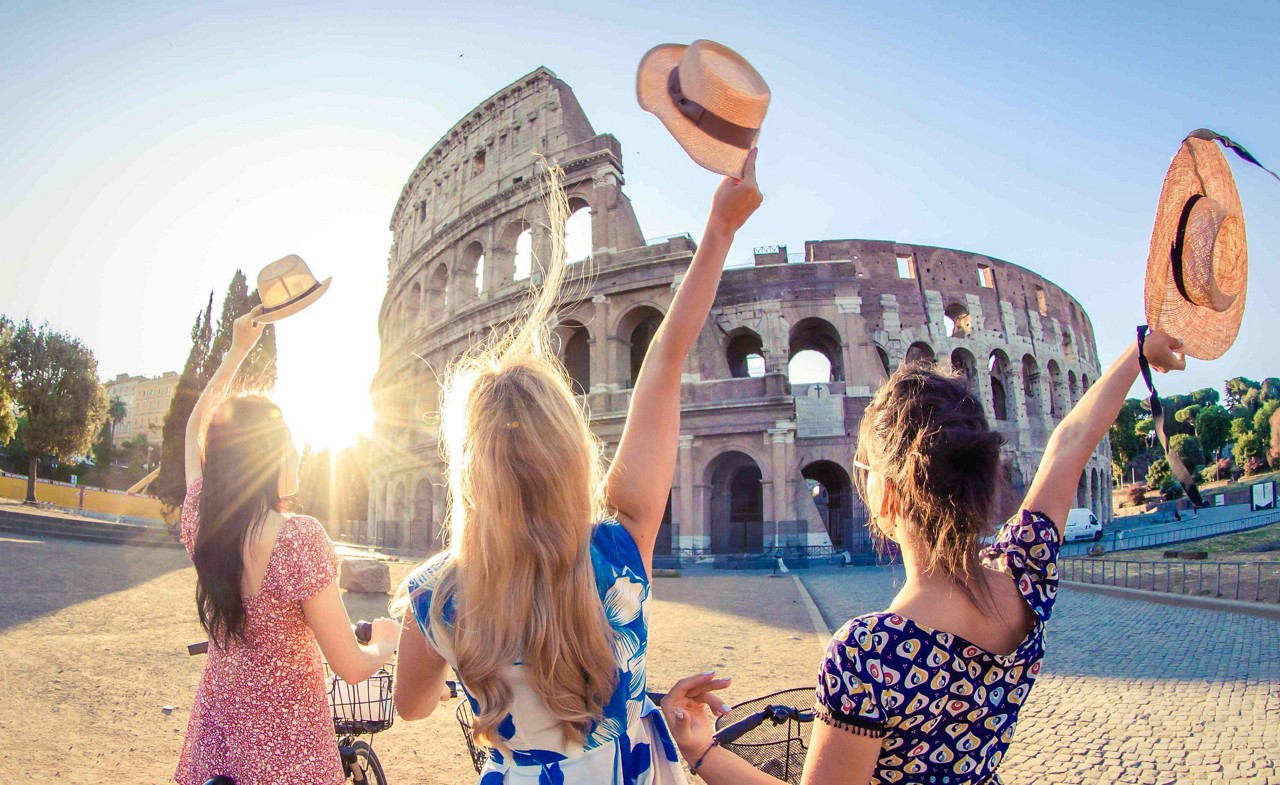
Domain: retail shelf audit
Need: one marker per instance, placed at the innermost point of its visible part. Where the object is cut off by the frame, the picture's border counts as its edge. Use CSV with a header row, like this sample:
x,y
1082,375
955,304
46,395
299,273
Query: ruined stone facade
x,y
762,462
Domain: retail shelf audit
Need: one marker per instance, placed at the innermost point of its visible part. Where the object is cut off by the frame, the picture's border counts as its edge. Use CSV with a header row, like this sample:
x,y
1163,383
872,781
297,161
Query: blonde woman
x,y
540,602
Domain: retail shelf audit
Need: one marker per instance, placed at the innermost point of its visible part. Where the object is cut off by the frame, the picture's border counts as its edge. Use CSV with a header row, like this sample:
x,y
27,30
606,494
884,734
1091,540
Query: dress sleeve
x,y
1028,545
615,553
850,681
190,520
310,562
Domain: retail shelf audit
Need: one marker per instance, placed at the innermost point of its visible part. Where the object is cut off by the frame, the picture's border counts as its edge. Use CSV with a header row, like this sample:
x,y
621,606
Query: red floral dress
x,y
260,714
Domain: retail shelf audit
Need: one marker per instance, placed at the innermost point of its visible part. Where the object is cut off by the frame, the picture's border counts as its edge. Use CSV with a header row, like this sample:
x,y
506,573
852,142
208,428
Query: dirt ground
x,y
93,646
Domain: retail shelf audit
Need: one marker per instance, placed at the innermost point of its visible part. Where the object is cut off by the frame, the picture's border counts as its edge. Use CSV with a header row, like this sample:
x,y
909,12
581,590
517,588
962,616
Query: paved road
x,y
1133,692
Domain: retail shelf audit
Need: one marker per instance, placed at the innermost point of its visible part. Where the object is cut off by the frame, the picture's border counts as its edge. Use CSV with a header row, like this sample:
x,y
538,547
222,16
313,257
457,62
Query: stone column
x,y
602,349
781,442
690,533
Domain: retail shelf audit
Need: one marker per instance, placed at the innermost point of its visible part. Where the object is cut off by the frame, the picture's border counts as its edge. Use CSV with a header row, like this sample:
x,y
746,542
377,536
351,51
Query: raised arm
x,y
1054,488
244,334
640,476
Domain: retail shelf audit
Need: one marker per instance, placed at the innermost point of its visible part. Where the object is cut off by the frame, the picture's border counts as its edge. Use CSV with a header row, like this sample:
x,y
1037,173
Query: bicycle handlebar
x,y
775,714
363,631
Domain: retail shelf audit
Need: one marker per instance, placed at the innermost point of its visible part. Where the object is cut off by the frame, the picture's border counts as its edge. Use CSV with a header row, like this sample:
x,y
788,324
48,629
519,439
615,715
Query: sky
x,y
151,149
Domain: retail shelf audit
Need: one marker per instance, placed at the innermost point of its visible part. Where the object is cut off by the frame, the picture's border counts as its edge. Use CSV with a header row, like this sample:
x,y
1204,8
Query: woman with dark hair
x,y
928,691
266,595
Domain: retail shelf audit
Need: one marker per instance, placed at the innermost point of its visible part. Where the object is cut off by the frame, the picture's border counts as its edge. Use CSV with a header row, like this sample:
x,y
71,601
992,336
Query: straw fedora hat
x,y
1198,266
286,286
709,98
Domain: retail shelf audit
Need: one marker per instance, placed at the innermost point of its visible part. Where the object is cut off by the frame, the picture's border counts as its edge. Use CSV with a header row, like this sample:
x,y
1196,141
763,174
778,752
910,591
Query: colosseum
x,y
763,460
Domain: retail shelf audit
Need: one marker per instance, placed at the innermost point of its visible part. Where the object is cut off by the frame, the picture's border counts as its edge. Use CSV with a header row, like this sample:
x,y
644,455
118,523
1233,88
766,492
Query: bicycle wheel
x,y
365,768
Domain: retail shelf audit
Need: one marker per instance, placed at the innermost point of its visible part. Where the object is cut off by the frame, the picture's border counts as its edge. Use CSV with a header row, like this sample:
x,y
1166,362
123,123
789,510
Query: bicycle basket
x,y
771,732
364,707
479,755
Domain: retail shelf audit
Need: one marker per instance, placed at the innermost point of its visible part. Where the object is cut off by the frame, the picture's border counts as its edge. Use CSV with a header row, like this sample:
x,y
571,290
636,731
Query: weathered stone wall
x,y
747,468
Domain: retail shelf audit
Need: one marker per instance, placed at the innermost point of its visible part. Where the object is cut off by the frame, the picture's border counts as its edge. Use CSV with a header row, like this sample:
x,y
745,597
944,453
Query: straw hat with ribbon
x,y
1198,265
709,98
286,286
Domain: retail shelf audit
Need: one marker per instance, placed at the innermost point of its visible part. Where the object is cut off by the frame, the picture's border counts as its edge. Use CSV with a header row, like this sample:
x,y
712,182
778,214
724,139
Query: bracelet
x,y
694,768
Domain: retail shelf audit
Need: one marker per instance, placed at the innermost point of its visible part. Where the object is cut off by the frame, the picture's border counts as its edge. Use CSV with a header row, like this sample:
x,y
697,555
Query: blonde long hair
x,y
525,479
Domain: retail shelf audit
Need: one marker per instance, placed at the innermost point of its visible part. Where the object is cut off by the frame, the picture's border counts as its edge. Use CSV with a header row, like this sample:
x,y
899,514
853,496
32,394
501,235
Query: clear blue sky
x,y
150,149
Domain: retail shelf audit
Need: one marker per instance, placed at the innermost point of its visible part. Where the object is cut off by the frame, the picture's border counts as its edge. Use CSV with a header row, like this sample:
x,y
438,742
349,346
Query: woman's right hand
x,y
735,200
385,634
245,332
688,708
1161,351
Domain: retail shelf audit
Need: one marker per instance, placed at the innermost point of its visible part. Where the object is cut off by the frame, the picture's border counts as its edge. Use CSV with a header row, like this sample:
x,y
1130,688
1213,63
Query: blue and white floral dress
x,y
631,745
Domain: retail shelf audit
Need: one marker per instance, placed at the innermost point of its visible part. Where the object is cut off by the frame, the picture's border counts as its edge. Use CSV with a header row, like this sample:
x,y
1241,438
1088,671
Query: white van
x,y
1082,525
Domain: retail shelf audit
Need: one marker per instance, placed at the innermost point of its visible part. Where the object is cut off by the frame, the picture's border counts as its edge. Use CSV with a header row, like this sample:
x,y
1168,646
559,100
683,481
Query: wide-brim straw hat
x,y
710,99
286,286
1198,265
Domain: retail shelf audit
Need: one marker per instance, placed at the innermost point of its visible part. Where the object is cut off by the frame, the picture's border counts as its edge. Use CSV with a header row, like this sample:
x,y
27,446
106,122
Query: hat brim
x,y
293,306
651,91
1198,168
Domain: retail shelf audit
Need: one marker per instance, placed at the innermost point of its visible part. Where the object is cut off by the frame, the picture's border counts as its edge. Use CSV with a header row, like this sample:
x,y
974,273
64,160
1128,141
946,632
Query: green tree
x,y
1205,397
1240,427
55,383
1125,443
1274,456
1262,421
1185,419
116,412
1238,390
1270,390
8,415
1187,448
1159,473
1213,427
170,484
1249,447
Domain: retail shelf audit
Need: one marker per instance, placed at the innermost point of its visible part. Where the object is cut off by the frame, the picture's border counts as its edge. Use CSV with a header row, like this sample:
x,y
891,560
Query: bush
x,y
1159,473
1137,494
1211,473
1254,465
1170,490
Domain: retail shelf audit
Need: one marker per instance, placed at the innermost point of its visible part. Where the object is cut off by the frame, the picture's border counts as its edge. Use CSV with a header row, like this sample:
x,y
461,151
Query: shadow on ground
x,y
42,576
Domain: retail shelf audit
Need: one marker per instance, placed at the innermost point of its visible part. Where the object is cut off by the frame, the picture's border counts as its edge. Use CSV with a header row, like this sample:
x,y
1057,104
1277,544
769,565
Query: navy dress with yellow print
x,y
945,708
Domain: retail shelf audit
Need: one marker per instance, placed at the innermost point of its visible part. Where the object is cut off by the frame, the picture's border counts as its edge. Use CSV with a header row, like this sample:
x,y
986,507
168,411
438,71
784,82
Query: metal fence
x,y
1130,541
1251,581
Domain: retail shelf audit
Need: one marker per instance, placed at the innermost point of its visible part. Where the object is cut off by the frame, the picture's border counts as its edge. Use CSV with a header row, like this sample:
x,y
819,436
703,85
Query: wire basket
x,y
479,755
775,731
364,707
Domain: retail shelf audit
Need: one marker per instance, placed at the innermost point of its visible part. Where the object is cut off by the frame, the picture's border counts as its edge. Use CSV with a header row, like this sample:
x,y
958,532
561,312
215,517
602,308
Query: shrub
x,y
1211,473
1170,490
1254,465
1159,473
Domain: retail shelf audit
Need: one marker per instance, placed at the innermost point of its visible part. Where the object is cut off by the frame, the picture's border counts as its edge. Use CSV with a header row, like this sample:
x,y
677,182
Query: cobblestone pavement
x,y
1133,692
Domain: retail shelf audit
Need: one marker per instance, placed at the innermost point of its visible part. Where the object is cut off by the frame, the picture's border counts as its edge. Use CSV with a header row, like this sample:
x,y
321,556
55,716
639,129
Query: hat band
x,y
709,122
315,286
1175,251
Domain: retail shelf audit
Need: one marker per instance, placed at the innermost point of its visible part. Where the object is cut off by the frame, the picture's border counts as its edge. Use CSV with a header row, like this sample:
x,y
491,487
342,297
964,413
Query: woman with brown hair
x,y
540,601
266,595
928,690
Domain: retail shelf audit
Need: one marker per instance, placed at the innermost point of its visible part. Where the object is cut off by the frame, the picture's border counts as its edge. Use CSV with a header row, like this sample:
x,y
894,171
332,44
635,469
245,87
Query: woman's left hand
x,y
735,200
689,708
245,331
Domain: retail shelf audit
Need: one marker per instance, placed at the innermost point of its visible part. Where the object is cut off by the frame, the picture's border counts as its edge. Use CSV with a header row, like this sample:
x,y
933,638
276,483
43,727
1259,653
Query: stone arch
x,y
413,307
636,329
1057,391
833,496
1084,383
884,361
956,317
1082,490
516,242
575,352
735,504
745,354
423,533
1095,492
963,362
471,270
1072,389
1068,347
814,334
438,292
1031,386
920,352
578,245
1001,394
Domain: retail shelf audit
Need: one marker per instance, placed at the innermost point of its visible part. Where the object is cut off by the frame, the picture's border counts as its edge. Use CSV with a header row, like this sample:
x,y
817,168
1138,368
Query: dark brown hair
x,y
244,450
927,436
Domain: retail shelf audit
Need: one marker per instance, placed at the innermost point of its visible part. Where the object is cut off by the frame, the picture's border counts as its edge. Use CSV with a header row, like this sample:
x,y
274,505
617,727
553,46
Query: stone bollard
x,y
368,576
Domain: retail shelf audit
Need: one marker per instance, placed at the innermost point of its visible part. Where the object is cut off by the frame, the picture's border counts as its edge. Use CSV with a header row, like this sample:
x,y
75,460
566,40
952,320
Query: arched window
x,y
1031,385
636,329
1057,391
998,367
413,307
920,352
575,353
963,362
832,494
438,293
884,360
472,264
815,336
1068,348
577,232
1072,388
524,254
745,354
956,317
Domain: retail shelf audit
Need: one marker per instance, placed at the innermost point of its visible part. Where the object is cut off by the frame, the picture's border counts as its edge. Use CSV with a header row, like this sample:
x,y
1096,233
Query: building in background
x,y
146,402
764,452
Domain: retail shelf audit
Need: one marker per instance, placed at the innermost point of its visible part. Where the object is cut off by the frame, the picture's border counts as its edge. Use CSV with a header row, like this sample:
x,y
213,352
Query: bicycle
x,y
777,748
361,709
